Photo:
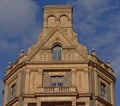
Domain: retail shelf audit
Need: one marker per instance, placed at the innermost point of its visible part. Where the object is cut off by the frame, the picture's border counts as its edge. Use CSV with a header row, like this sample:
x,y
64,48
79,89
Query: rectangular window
x,y
103,92
56,80
12,91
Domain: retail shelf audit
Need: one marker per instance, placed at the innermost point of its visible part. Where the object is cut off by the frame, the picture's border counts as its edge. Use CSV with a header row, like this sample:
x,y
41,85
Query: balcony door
x,y
56,81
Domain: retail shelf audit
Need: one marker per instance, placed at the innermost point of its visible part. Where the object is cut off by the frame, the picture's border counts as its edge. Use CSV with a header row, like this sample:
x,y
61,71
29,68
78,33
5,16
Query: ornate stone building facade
x,y
57,70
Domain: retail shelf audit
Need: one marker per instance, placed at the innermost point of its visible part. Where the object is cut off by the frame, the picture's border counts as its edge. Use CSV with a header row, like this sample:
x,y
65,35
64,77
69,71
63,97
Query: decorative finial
x,y
93,52
9,64
21,53
108,63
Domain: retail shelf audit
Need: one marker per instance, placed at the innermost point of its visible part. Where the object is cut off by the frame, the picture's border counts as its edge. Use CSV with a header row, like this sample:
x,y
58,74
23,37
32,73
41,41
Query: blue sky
x,y
97,23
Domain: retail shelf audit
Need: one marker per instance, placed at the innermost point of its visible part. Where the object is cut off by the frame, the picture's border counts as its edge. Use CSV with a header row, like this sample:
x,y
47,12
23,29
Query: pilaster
x,y
40,72
27,81
25,104
5,94
19,84
39,103
73,77
74,101
112,93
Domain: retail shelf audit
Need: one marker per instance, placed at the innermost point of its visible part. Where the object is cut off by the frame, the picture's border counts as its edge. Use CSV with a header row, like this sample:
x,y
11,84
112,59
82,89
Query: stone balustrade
x,y
55,89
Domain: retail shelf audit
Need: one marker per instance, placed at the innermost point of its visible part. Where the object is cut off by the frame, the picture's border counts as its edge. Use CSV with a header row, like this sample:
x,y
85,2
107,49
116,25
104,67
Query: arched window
x,y
57,53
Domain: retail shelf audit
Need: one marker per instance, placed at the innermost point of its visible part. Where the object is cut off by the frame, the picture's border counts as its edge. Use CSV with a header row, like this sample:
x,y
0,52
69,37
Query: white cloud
x,y
97,21
109,38
92,8
17,22
98,26
7,45
17,16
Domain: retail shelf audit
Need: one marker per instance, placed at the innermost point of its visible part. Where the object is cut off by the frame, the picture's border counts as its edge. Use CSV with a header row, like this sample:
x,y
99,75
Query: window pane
x,y
103,91
53,84
56,80
57,53
60,84
12,91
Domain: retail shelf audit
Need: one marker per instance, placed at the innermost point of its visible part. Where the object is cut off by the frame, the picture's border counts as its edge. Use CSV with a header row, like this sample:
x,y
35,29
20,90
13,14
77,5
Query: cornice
x,y
12,101
57,94
56,62
58,6
84,95
103,101
50,7
105,71
49,94
13,70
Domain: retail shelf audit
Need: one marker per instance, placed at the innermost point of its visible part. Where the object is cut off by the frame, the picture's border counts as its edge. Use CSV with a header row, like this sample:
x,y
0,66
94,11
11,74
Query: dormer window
x,y
57,53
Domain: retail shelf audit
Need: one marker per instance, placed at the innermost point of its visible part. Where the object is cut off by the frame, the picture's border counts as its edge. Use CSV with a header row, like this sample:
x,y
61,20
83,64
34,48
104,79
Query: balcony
x,y
56,90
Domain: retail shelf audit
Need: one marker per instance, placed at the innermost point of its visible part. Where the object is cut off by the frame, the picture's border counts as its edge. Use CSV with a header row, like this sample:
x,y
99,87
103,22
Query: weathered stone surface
x,y
82,72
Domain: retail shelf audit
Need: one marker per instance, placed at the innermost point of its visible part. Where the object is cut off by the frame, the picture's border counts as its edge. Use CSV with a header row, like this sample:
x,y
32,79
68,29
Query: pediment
x,y
56,36
72,49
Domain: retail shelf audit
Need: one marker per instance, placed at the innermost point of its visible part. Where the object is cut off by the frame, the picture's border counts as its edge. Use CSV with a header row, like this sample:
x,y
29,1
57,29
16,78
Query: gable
x,y
72,50
56,37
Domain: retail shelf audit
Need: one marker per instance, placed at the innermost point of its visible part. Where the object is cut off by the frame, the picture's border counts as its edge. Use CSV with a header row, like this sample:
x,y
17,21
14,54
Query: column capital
x,y
27,71
73,70
40,70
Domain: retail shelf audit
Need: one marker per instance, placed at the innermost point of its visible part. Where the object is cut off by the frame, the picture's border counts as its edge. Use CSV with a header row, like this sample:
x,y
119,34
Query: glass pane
x,y
103,91
56,80
53,84
57,53
60,84
13,90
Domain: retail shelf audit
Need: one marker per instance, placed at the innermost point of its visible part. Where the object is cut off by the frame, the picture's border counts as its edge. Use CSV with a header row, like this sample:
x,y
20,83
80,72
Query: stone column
x,y
73,77
27,81
39,103
74,101
25,104
112,94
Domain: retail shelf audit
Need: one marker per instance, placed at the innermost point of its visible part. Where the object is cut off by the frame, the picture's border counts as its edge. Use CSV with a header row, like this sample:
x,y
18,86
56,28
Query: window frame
x,y
103,90
58,81
107,94
57,53
12,91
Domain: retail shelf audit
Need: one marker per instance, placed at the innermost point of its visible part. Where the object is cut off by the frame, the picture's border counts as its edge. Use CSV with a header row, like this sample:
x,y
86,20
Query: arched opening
x,y
63,21
57,53
51,21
